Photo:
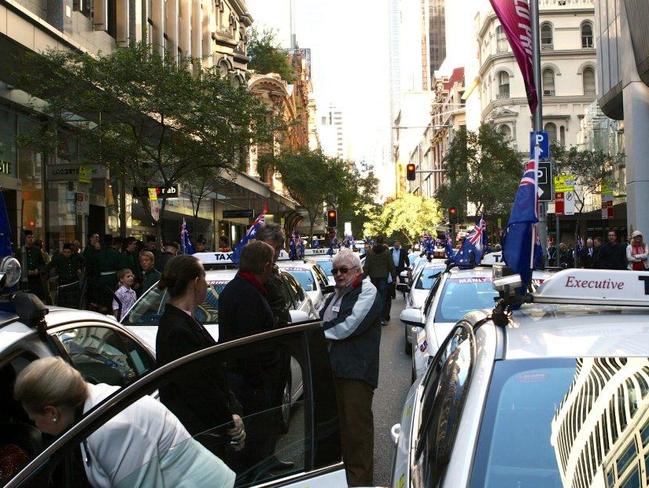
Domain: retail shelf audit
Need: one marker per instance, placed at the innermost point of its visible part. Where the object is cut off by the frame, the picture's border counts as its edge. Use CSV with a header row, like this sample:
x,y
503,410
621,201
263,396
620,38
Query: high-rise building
x,y
436,34
332,133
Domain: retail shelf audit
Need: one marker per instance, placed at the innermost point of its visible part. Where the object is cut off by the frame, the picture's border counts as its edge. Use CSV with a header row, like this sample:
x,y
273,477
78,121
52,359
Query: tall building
x,y
436,34
42,189
332,133
623,92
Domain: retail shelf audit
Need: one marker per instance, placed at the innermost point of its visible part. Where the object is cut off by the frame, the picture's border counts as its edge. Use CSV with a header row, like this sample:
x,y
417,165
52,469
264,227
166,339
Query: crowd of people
x,y
594,254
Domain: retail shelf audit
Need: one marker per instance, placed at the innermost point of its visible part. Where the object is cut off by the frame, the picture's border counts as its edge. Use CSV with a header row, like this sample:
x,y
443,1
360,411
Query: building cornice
x,y
554,54
571,11
241,9
517,101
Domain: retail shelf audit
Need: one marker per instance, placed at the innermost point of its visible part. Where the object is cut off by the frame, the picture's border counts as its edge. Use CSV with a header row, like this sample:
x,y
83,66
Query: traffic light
x,y
452,215
331,218
411,172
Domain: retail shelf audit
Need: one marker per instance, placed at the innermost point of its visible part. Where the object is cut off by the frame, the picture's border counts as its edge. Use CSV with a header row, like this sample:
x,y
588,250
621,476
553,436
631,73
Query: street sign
x,y
564,183
543,140
569,203
238,214
160,191
558,202
545,181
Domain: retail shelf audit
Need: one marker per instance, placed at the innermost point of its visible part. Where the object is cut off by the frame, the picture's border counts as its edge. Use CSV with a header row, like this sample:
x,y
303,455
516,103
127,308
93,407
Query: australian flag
x,y
470,254
448,246
186,246
520,241
252,232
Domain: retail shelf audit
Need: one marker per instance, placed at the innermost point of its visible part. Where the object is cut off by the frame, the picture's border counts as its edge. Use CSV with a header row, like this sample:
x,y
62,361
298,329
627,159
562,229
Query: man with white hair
x,y
352,323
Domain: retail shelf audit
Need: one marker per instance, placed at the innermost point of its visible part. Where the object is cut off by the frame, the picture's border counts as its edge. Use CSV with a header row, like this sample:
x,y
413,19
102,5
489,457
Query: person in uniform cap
x,y
637,252
200,244
68,269
33,265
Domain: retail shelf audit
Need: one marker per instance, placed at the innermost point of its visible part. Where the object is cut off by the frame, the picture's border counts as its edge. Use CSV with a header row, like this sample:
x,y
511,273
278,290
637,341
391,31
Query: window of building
x,y
562,140
587,34
548,82
501,40
589,81
551,129
506,132
546,36
503,84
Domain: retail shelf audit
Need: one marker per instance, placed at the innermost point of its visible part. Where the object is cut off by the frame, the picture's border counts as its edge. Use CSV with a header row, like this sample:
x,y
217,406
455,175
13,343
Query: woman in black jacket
x,y
199,397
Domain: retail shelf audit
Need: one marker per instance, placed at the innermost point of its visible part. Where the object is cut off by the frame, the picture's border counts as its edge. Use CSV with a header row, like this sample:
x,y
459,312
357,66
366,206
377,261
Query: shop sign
x,y
82,203
85,174
564,183
238,214
6,168
73,172
160,191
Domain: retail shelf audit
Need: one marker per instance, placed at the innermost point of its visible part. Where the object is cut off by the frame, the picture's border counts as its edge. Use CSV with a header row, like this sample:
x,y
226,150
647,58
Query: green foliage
x,y
408,216
151,120
363,205
266,55
314,179
481,168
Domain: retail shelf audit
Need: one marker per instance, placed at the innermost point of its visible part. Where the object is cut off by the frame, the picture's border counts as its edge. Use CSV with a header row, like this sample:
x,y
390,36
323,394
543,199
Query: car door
x,y
310,448
103,352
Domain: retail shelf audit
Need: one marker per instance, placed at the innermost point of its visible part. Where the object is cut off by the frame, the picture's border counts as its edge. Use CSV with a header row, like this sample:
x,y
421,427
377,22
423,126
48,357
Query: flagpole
x,y
537,116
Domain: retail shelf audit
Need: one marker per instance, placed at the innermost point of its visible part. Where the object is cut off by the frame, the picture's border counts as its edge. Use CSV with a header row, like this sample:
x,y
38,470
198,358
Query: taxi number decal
x,y
477,279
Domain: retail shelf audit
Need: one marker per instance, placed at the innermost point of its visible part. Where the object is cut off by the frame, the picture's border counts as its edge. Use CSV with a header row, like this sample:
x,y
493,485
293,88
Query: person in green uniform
x,y
68,269
33,266
108,264
128,259
90,275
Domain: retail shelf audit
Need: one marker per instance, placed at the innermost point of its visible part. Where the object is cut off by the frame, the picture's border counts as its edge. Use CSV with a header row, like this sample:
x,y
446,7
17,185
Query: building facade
x,y
568,69
331,130
436,34
623,92
60,196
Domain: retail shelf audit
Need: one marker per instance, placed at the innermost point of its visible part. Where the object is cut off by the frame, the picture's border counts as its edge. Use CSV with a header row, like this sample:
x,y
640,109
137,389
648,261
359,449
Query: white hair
x,y
348,257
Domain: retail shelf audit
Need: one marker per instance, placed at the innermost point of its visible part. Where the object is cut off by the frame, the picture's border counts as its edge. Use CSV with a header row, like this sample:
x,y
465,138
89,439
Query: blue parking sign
x,y
544,141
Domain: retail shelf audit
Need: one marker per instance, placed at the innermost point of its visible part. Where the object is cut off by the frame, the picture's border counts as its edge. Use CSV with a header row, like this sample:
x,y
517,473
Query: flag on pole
x,y
516,20
5,229
470,254
186,246
251,233
520,241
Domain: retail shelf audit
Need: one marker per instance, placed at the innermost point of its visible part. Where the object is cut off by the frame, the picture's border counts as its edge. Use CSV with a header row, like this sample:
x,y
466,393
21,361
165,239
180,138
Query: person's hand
x,y
237,434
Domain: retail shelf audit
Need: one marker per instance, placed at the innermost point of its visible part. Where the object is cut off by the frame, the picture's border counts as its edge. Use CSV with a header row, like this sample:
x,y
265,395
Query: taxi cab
x,y
311,277
323,259
547,389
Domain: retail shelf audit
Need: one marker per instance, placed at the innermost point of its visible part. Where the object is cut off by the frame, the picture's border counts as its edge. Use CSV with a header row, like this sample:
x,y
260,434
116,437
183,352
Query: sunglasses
x,y
342,270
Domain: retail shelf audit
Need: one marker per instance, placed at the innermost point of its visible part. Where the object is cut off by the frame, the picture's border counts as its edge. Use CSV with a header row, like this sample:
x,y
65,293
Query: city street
x,y
394,382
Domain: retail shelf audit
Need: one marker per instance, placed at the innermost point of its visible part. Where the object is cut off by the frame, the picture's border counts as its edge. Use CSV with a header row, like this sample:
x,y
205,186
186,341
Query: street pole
x,y
537,116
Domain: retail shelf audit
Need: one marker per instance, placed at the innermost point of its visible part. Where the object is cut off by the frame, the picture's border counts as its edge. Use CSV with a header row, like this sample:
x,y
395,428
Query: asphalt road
x,y
394,382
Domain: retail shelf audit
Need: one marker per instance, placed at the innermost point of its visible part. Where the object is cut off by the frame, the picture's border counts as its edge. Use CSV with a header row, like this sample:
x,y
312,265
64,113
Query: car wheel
x,y
408,347
286,406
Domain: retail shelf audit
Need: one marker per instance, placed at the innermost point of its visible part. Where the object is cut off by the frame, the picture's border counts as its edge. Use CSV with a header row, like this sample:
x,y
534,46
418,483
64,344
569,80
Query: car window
x,y
559,422
445,388
462,295
150,307
326,265
296,291
427,278
105,354
431,295
321,276
282,386
304,277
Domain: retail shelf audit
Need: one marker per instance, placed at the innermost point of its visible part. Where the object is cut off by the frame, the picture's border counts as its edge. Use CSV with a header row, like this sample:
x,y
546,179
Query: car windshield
x,y
427,278
304,277
149,308
462,295
565,423
326,266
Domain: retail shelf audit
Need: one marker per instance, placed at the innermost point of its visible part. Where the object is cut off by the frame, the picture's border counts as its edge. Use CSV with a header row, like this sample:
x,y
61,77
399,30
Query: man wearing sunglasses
x,y
352,323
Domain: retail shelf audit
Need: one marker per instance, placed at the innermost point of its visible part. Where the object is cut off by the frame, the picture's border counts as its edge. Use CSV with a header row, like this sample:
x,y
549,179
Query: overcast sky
x,y
350,62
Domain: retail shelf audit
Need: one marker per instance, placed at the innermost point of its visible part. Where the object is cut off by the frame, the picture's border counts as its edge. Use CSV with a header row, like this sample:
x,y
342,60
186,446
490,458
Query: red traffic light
x,y
452,211
331,218
411,172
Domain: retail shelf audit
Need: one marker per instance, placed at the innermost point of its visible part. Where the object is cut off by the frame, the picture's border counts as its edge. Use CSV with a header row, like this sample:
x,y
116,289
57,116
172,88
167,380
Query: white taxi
x,y
324,259
311,277
550,389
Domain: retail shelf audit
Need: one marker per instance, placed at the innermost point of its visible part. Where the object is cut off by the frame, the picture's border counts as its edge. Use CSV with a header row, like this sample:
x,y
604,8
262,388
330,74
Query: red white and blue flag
x,y
470,254
521,243
251,233
186,246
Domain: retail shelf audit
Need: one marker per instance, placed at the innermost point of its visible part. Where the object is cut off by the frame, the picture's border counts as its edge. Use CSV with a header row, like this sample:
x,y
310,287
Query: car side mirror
x,y
413,316
328,289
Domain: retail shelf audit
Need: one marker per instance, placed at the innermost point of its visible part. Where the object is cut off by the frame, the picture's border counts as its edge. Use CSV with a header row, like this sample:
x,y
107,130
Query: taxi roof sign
x,y
317,252
212,258
595,287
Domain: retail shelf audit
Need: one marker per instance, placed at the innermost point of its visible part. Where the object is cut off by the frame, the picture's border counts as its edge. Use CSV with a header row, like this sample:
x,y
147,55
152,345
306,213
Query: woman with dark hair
x,y
200,399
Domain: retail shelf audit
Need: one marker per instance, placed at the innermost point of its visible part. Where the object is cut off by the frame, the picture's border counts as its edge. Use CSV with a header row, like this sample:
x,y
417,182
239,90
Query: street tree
x,y
313,179
591,169
152,120
363,205
266,55
481,168
407,216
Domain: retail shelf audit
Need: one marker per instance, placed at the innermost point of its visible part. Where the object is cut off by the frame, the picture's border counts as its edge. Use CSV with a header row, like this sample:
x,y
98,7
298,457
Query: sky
x,y
350,63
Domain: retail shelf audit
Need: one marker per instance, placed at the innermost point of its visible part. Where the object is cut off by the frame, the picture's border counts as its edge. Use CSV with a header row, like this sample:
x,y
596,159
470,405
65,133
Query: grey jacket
x,y
355,333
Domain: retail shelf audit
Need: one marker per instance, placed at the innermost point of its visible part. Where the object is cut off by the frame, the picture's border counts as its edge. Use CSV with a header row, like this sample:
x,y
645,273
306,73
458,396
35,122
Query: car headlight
x,y
10,271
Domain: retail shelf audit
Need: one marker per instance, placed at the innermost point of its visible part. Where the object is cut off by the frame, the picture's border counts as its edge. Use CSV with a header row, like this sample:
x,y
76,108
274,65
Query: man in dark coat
x,y
170,250
612,255
400,259
351,318
33,266
68,269
272,235
380,268
243,311
587,255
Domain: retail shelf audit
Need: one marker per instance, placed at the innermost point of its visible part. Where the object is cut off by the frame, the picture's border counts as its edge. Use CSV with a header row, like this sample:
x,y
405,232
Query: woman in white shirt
x,y
144,445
